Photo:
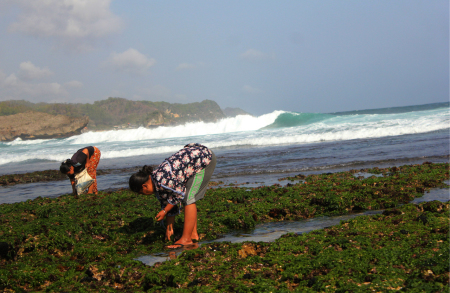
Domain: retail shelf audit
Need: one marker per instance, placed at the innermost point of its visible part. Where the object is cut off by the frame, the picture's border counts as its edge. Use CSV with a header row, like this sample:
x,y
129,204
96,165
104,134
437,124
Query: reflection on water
x,y
24,192
440,194
269,232
52,189
151,259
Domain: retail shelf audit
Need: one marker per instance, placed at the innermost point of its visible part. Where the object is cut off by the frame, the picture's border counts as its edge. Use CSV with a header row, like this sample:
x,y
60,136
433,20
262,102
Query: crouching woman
x,y
85,158
181,179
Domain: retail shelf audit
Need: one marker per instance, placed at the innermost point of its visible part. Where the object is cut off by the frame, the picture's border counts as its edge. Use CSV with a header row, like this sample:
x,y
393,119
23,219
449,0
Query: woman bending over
x,y
181,179
85,158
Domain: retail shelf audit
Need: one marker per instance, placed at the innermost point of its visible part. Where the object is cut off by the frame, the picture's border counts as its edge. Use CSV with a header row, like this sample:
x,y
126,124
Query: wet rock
x,y
312,281
422,218
420,189
276,213
87,279
432,206
392,212
4,249
193,283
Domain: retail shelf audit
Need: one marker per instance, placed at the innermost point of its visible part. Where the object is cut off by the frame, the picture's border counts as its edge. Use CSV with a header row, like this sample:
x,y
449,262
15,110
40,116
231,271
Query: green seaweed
x,y
88,243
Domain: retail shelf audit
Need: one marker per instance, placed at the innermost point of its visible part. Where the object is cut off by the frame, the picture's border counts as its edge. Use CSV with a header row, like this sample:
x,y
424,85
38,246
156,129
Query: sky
x,y
258,55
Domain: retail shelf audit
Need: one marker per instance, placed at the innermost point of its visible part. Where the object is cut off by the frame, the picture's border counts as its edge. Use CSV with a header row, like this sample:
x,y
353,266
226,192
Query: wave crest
x,y
227,125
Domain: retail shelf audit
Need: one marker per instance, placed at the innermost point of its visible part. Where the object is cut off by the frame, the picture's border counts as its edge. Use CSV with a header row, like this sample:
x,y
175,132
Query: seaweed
x,y
89,243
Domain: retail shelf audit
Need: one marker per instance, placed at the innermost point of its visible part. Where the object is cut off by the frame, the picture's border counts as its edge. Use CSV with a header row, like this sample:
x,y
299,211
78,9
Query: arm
x,y
88,161
169,182
72,182
170,221
162,214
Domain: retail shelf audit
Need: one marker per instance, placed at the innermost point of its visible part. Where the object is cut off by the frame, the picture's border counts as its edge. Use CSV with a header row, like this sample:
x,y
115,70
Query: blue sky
x,y
261,56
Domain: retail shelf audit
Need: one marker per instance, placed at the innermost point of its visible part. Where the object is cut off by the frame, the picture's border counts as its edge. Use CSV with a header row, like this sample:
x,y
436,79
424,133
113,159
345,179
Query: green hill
x,y
119,112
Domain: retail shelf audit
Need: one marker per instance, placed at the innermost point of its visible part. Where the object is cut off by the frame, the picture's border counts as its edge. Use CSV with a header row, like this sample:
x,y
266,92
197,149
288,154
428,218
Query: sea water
x,y
254,150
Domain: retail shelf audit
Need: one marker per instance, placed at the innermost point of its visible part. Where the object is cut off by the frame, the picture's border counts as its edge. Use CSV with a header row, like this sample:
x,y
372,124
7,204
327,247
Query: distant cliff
x,y
233,112
33,125
119,113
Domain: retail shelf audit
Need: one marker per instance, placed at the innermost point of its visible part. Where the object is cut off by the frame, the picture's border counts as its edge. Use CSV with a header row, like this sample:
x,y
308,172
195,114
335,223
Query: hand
x,y
74,190
161,215
169,232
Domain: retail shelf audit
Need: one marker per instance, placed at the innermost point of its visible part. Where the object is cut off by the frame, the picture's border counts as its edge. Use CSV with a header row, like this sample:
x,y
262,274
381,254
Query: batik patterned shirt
x,y
171,176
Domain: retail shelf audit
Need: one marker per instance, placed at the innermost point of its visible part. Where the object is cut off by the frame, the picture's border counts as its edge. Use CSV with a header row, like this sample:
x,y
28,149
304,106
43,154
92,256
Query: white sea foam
x,y
19,141
230,132
228,125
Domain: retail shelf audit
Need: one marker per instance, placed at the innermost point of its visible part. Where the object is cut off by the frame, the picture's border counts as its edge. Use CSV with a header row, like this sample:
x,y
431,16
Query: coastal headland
x,y
26,120
38,125
90,243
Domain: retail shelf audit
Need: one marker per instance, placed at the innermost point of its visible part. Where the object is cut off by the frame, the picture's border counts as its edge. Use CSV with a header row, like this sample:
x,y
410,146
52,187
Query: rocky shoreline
x,y
26,120
37,125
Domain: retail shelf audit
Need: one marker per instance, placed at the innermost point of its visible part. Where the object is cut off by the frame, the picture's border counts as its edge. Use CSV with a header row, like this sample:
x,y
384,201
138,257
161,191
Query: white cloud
x,y
131,61
75,23
255,55
24,85
16,88
28,71
251,90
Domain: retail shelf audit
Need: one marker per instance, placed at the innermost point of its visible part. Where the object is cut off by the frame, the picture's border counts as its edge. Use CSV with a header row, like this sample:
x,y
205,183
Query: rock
x,y
37,125
4,249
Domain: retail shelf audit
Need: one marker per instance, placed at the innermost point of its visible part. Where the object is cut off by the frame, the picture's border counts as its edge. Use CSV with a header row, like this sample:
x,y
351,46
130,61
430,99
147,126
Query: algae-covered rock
x,y
90,243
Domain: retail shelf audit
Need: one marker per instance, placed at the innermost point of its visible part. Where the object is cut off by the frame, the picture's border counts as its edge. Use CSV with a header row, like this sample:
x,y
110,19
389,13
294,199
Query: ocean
x,y
251,150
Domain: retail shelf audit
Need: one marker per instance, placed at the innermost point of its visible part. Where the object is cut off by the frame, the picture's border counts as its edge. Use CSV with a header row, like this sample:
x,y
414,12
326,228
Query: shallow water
x,y
269,232
52,189
253,166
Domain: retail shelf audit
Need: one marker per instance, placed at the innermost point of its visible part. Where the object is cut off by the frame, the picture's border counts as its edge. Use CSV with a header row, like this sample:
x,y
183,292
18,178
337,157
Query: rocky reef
x,y
35,125
90,243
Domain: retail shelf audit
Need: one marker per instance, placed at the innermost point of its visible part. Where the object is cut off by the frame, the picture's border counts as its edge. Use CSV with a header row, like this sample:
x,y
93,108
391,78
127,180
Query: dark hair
x,y
138,179
65,166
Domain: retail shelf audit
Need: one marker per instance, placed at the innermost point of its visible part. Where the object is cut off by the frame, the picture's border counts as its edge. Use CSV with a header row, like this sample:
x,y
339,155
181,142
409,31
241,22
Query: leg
x,y
190,224
195,191
93,187
92,169
194,235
